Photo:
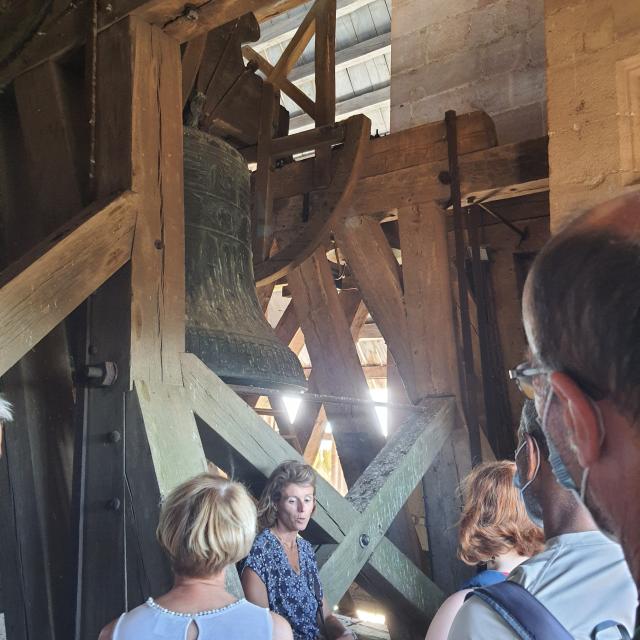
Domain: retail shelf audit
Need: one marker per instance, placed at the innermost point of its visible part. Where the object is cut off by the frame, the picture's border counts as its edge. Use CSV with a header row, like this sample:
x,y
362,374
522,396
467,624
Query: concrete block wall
x,y
468,55
593,76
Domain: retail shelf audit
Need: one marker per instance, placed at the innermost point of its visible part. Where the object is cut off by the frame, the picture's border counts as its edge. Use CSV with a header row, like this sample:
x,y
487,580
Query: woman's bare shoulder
x,y
107,632
281,628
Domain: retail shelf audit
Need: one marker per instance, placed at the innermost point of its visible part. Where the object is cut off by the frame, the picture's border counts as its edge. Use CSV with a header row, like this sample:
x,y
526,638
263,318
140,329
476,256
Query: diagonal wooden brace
x,y
384,487
231,420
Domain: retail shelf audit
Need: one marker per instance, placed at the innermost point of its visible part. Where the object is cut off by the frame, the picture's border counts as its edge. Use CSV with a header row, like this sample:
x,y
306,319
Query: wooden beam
x,y
296,45
355,54
41,385
325,63
382,490
40,290
184,21
262,215
418,184
429,309
251,439
311,419
412,150
140,118
172,433
287,87
335,360
378,276
335,205
191,60
283,29
345,108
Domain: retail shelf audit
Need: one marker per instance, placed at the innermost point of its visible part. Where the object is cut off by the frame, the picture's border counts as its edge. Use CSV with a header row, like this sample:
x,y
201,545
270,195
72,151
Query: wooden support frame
x,y
325,66
336,201
383,488
141,106
287,87
61,272
252,441
67,29
337,368
296,45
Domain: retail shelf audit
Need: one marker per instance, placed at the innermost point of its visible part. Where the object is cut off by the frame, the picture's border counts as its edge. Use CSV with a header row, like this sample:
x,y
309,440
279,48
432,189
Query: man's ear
x,y
579,417
533,454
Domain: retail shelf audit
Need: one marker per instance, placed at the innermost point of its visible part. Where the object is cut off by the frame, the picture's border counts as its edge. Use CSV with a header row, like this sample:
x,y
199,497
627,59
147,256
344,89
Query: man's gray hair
x,y
584,301
6,412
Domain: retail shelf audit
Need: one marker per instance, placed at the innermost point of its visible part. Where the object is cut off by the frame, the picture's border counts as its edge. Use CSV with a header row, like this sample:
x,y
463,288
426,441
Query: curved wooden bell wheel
x,y
330,205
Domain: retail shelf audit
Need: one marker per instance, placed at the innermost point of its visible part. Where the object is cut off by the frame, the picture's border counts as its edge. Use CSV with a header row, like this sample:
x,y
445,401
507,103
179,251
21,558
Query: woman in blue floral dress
x,y
281,571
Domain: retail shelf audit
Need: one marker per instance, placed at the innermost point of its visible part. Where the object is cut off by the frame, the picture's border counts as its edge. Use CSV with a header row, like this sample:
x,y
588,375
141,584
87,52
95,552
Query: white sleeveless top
x,y
240,620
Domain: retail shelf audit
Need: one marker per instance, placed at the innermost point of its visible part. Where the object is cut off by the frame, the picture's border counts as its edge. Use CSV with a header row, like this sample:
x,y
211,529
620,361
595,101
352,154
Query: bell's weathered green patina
x,y
226,328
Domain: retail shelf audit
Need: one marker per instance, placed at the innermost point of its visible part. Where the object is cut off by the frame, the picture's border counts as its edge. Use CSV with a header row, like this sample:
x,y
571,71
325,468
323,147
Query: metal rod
x,y
522,233
469,395
320,398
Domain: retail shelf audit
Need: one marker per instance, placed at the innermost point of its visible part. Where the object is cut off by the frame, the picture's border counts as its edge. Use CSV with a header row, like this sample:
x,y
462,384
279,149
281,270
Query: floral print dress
x,y
291,595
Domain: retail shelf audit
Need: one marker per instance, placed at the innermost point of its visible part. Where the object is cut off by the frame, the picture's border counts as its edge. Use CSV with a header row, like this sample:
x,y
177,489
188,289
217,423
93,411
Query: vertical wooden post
x,y
325,70
39,451
428,304
137,319
139,145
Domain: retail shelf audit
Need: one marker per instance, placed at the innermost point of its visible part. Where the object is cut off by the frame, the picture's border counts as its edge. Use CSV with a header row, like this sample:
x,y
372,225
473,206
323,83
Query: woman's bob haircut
x,y
206,524
494,520
289,472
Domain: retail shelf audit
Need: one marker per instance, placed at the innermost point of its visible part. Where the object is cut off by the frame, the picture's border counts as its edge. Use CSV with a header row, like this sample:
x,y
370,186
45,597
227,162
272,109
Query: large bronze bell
x,y
225,324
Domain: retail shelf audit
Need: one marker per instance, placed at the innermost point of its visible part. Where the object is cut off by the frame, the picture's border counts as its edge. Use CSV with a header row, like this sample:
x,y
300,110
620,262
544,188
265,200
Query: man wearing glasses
x,y
581,311
578,565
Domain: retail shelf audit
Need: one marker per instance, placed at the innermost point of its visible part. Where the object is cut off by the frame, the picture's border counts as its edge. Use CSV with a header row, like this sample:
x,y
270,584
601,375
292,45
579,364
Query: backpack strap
x,y
523,612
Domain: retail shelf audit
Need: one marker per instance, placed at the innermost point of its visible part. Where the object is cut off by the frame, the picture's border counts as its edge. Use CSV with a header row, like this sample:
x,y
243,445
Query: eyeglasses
x,y
529,379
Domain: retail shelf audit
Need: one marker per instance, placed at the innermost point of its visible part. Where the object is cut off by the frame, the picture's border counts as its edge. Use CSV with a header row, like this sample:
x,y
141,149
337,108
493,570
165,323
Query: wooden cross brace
x,y
356,523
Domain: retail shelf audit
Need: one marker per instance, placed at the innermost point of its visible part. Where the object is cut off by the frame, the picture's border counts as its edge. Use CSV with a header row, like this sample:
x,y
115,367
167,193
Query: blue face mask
x,y
559,468
517,483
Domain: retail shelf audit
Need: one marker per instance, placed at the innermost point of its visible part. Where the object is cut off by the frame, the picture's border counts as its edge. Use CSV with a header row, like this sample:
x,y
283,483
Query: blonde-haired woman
x,y
494,531
281,571
206,524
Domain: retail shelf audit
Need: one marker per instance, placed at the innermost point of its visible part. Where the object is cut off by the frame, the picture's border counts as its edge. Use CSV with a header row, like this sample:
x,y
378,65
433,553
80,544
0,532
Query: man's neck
x,y
565,516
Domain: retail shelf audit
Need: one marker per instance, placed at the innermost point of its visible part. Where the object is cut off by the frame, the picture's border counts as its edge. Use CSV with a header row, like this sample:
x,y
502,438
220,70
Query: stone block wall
x,y
593,79
468,55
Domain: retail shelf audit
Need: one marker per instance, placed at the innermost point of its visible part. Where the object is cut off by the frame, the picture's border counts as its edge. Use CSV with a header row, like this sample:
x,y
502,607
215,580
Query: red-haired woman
x,y
494,531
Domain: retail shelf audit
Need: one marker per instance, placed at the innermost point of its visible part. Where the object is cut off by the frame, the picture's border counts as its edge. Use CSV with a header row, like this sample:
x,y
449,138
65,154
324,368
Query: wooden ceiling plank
x,y
355,54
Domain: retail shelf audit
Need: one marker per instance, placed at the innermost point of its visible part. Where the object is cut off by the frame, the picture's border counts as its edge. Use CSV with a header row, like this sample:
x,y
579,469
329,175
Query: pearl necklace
x,y
152,603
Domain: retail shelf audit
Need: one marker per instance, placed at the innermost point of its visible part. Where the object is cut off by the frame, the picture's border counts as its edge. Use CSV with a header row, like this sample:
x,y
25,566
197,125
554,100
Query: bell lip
x,y
292,386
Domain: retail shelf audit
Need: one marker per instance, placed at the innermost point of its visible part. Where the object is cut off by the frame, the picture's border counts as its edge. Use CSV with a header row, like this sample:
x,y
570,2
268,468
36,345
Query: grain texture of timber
x,y
46,285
